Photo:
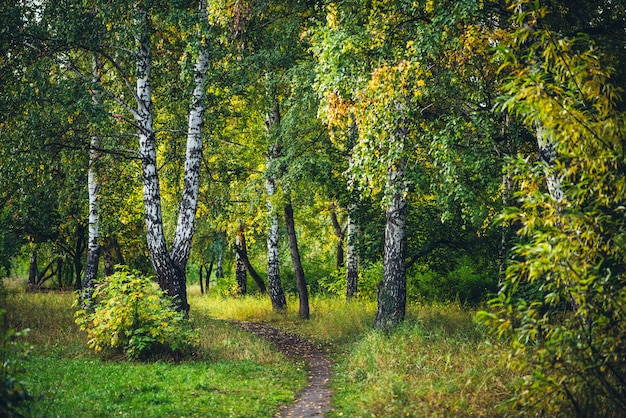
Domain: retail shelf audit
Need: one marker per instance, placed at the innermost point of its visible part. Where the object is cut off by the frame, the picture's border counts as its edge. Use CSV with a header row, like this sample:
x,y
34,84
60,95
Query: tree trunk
x,y
219,271
33,271
243,253
78,256
274,285
392,290
112,255
303,293
59,272
505,231
93,242
547,154
181,247
169,267
201,279
340,233
240,269
169,275
352,267
208,277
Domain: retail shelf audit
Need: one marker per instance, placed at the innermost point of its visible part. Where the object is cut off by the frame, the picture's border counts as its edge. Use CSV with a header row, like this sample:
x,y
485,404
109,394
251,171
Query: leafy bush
x,y
132,316
469,281
369,277
13,354
226,287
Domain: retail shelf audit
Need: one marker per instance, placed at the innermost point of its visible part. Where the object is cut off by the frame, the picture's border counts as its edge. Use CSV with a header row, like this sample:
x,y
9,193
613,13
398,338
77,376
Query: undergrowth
x,y
440,362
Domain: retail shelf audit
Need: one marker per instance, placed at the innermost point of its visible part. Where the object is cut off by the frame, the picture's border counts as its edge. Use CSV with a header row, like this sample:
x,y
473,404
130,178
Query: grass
x,y
234,374
439,363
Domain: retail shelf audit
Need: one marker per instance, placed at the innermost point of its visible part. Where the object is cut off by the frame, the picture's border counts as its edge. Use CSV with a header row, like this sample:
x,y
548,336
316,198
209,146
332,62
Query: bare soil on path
x,y
314,400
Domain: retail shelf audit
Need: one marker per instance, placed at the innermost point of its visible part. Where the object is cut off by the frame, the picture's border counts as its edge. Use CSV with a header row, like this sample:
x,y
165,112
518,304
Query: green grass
x,y
439,363
233,374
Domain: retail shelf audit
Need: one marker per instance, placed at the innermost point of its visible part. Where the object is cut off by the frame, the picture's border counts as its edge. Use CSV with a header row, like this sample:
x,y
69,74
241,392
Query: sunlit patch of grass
x,y
246,308
50,318
439,363
335,321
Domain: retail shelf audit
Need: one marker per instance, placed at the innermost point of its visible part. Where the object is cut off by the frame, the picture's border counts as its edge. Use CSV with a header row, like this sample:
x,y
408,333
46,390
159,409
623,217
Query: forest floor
x,y
314,400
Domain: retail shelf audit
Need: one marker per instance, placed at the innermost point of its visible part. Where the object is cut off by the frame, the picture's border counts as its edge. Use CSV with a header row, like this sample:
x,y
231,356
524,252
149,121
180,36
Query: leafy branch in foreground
x,y
563,303
132,316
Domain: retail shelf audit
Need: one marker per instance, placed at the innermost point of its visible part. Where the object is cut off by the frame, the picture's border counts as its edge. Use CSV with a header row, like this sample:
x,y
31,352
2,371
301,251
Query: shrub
x,y
13,354
132,316
369,276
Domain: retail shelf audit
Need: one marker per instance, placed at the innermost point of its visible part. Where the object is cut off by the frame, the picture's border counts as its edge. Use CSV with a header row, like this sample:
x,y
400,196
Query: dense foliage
x,y
13,355
564,298
131,316
454,148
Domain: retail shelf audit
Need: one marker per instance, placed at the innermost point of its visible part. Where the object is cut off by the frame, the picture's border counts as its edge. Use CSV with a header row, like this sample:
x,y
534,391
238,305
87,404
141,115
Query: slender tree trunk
x,y
201,279
303,293
340,233
243,253
169,275
181,247
60,273
505,232
240,269
392,290
352,267
547,154
219,270
208,277
274,284
108,264
33,271
93,243
112,255
78,256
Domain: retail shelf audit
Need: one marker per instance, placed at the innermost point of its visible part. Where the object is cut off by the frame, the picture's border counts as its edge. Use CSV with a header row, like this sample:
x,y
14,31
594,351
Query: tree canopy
x,y
460,150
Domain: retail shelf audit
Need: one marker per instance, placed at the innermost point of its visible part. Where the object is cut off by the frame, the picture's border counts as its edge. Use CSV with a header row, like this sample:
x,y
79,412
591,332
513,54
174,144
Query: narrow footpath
x,y
314,400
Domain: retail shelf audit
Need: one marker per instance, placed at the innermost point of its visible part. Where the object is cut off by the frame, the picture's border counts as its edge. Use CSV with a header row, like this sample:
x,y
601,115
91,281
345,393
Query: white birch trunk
x,y
168,274
547,154
274,285
392,290
93,186
193,156
352,258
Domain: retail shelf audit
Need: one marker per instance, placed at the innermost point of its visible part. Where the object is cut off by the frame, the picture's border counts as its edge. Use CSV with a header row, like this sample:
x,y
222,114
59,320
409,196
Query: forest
x,y
431,194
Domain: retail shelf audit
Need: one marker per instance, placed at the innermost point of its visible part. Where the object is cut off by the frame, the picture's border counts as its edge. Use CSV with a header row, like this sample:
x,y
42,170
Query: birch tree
x,y
93,185
117,88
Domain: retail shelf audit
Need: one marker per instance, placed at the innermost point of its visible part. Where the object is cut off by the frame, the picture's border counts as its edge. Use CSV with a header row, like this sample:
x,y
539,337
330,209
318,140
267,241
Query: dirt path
x,y
314,400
